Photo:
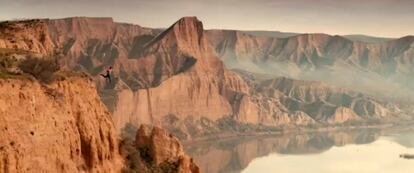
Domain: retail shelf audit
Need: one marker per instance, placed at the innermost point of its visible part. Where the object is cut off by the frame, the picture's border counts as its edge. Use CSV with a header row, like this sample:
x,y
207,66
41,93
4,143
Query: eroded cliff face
x,y
31,35
312,51
284,101
61,127
173,74
64,127
375,68
95,43
235,46
205,88
323,102
159,150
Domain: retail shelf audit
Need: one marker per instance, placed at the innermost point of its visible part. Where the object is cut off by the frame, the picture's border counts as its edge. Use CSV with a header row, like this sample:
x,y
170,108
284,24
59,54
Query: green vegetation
x,y
5,75
43,69
7,62
228,123
5,52
139,160
4,24
167,167
144,152
22,64
14,23
132,155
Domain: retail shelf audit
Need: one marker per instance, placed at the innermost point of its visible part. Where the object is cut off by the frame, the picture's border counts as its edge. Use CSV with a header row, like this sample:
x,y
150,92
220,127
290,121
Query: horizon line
x,y
211,28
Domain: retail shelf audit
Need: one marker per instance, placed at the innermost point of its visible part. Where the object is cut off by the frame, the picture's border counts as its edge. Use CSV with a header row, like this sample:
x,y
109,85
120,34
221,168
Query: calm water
x,y
358,151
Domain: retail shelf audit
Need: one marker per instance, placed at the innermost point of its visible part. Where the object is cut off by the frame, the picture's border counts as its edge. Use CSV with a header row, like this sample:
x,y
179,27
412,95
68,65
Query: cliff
x,y
159,151
314,51
64,127
61,127
375,68
195,82
30,35
175,73
285,101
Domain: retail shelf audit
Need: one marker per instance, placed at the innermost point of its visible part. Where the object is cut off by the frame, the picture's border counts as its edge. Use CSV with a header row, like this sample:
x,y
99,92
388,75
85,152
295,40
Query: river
x,y
353,151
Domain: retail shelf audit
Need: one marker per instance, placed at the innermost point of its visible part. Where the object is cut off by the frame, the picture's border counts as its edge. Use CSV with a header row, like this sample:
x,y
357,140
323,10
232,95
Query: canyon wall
x,y
175,73
313,51
61,127
381,69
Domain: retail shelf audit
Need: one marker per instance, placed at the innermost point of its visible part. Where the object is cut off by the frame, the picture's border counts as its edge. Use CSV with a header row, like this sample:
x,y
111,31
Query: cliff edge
x,y
59,127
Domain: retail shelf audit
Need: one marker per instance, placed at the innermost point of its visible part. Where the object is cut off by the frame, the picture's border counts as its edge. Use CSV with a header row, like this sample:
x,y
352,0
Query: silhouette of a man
x,y
107,76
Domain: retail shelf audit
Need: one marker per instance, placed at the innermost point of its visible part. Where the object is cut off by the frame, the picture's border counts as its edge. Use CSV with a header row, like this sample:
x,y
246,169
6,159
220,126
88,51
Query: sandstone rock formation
x,y
64,127
377,68
310,102
204,88
31,35
175,73
162,148
144,68
61,127
312,51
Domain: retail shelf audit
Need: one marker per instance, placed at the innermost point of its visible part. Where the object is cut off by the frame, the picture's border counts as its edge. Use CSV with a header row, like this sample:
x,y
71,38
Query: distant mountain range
x,y
355,37
367,39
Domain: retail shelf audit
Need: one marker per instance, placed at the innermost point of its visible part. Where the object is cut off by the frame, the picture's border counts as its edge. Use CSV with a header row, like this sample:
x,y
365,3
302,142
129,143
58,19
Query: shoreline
x,y
299,130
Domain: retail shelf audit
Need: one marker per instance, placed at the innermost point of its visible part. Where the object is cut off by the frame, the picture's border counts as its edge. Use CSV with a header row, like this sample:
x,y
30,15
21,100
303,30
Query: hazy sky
x,y
387,18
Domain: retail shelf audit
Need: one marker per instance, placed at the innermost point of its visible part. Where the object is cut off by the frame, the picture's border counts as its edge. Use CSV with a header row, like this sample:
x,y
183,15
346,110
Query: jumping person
x,y
107,76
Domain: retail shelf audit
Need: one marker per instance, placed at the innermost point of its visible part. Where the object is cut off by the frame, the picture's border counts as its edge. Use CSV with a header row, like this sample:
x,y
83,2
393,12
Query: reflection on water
x,y
352,151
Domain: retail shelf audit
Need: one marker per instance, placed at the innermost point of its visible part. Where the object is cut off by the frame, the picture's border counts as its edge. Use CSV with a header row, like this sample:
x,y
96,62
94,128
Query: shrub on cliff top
x,y
7,62
43,69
